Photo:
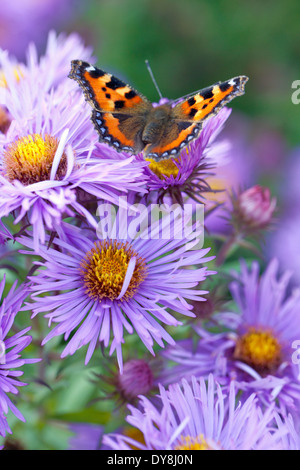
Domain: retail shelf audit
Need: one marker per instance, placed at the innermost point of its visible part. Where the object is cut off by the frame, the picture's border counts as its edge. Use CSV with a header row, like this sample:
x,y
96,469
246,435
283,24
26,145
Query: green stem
x,y
225,249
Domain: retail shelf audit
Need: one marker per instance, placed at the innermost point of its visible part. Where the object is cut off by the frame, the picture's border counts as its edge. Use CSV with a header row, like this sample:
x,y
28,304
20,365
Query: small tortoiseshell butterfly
x,y
129,122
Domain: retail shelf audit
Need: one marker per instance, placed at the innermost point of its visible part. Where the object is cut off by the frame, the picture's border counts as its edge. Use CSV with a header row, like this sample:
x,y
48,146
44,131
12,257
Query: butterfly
x,y
127,121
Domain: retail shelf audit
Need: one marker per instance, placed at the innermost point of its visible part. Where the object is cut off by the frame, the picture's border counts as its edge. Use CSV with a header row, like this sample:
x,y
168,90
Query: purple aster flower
x,y
122,281
46,158
11,347
186,175
197,416
23,84
258,348
291,440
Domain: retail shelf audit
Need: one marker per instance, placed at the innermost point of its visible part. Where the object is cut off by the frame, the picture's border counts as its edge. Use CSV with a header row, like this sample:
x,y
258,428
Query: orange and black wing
x,y
176,135
188,116
210,100
119,112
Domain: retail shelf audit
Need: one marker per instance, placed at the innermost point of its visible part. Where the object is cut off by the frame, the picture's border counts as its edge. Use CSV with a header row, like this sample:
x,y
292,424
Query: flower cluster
x,y
109,249
197,416
257,346
47,162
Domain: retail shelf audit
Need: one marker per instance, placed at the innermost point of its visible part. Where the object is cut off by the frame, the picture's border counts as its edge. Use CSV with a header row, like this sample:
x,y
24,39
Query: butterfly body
x,y
156,125
126,120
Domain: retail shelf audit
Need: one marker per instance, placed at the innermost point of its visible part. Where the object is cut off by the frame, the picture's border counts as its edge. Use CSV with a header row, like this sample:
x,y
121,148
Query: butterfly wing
x,y
176,135
210,100
189,115
119,112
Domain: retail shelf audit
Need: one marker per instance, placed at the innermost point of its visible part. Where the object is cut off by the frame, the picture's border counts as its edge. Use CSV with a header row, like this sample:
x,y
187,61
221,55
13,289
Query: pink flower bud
x,y
253,209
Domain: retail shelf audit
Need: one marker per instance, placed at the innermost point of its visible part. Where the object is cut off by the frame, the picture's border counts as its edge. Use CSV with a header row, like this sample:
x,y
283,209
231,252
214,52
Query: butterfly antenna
x,y
152,78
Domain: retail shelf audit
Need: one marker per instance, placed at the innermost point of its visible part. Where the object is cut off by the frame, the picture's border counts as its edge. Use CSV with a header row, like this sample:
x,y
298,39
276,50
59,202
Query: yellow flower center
x,y
193,443
163,168
260,349
104,269
30,158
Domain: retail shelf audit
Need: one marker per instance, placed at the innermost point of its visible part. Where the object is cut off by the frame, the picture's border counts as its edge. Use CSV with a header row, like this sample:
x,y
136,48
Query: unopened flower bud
x,y
253,209
136,379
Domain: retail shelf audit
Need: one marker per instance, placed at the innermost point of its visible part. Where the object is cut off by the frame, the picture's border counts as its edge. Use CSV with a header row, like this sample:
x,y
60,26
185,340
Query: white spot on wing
x,y
232,81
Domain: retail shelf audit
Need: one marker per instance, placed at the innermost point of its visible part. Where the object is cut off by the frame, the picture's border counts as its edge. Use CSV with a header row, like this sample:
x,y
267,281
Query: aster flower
x,y
121,281
257,348
46,161
23,84
186,175
197,416
291,440
11,347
